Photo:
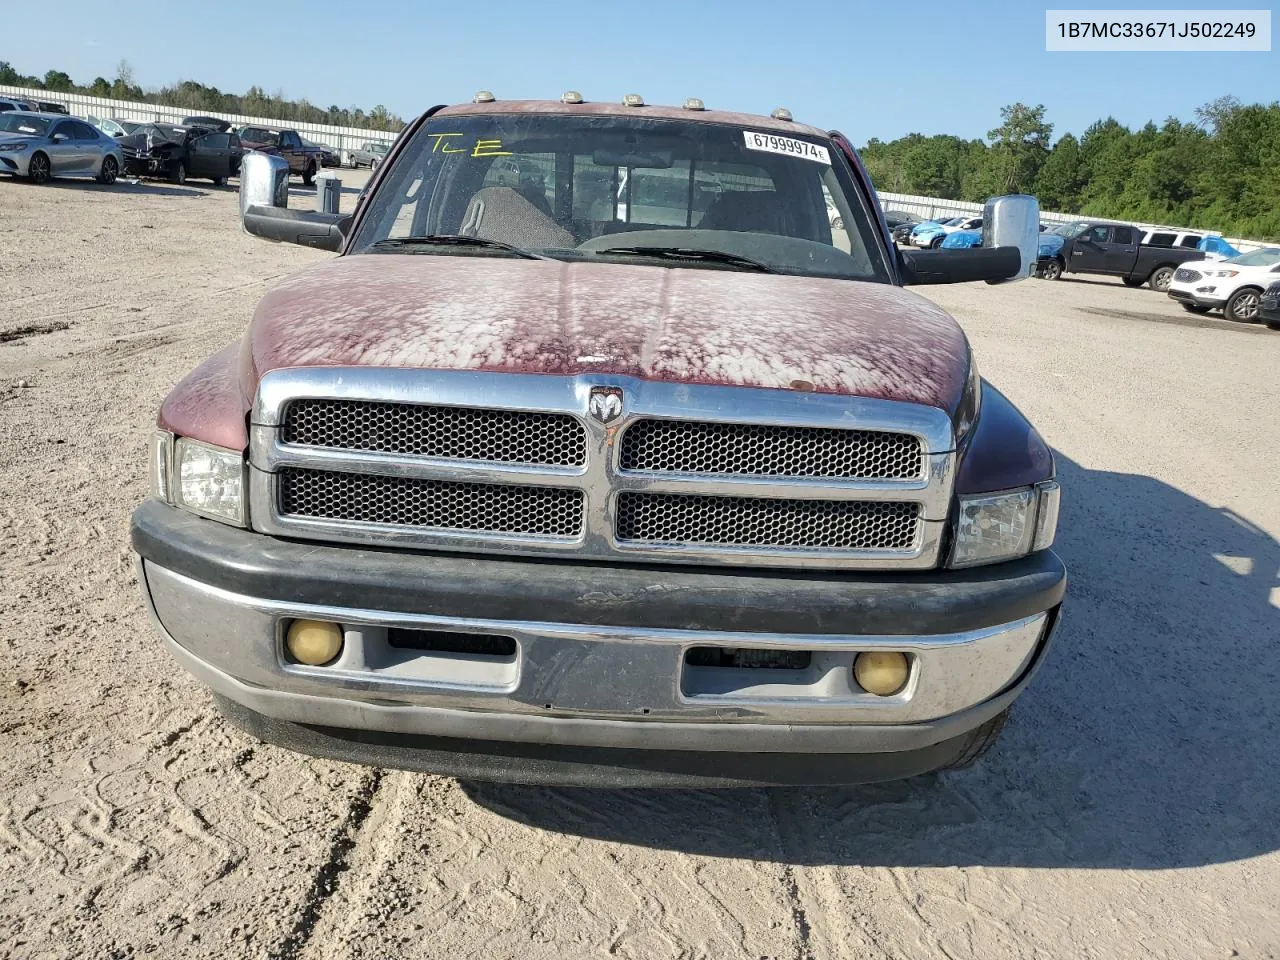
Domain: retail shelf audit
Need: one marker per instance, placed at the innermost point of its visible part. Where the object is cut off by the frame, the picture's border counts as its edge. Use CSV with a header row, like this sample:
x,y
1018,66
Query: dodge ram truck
x,y
1116,249
304,159
602,478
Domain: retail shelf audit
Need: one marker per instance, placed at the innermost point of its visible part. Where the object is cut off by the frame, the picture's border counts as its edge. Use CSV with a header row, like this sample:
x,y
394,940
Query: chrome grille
x,y
760,522
1183,275
434,504
454,433
686,446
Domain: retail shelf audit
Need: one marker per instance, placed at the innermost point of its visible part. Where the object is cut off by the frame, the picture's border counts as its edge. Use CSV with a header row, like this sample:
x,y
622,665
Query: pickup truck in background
x,y
514,489
1115,249
303,161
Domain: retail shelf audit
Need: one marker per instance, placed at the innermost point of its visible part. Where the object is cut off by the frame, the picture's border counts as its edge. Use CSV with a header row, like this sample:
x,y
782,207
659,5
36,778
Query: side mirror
x,y
59,138
1010,248
264,207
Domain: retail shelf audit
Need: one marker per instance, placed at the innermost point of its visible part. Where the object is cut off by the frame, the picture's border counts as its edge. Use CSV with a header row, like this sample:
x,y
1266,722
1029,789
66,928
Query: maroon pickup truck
x,y
303,159
598,457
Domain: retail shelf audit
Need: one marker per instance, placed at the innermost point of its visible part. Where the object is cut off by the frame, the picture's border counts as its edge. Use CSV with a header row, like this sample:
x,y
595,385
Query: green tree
x,y
59,81
1062,176
1019,147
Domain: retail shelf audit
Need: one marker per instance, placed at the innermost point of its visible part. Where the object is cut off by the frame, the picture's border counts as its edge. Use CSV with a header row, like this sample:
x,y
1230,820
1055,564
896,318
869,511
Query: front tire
x,y
1051,270
1161,279
38,169
110,170
1131,282
179,174
935,243
219,181
309,174
1243,306
981,739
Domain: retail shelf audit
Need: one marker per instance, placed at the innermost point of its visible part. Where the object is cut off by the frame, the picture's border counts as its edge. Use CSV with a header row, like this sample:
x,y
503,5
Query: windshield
x,y
1069,229
17,123
623,189
378,148
1257,258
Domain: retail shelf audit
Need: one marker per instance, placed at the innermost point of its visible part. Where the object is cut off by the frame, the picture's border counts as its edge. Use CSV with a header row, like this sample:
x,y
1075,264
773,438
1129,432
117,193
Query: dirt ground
x,y
1132,808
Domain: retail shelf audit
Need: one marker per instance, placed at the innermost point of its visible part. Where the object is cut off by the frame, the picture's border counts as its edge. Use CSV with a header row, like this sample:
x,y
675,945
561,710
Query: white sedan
x,y
933,234
1233,286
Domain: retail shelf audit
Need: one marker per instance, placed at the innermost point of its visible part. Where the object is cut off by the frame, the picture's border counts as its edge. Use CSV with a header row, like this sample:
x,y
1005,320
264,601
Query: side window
x,y
6,106
290,140
66,128
1191,240
1161,240
1122,234
1098,234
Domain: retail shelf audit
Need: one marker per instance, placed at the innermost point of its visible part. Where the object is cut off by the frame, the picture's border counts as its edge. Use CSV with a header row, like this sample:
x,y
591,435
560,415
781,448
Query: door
x,y
66,153
291,149
204,158
1122,251
1089,251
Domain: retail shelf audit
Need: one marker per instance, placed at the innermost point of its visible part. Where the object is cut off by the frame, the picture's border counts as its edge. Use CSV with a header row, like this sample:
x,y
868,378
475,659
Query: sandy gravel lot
x,y
1132,808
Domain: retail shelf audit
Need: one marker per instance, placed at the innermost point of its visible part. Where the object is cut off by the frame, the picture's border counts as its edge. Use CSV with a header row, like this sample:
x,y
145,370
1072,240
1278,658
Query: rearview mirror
x,y
264,202
1010,248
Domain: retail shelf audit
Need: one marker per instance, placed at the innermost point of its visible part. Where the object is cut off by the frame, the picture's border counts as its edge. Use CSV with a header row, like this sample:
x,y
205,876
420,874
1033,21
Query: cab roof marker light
x,y
694,103
782,113
633,100
571,96
483,96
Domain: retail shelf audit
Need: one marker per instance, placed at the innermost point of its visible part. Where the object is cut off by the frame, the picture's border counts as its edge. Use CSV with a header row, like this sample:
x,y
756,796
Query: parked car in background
x,y
209,123
9,104
368,154
115,127
49,106
303,161
896,218
41,146
1234,285
1114,249
931,235
178,153
962,240
1269,306
328,155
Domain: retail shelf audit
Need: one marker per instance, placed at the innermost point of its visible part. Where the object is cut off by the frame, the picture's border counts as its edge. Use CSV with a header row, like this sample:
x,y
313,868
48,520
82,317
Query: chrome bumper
x,y
627,687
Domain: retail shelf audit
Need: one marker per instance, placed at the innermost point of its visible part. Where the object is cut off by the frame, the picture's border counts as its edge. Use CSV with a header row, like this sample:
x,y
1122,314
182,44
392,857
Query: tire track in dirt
x,y
325,881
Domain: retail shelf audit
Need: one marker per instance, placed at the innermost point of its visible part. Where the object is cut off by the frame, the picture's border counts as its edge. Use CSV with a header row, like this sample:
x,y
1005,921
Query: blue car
x,y
929,226
932,234
962,240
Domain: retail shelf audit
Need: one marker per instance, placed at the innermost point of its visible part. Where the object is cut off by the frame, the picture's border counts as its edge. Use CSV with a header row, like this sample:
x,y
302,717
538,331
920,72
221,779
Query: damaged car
x,y
177,153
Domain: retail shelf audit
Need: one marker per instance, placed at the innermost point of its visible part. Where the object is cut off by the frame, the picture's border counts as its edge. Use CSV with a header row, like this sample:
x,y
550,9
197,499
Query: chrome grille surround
x,y
603,483
1183,275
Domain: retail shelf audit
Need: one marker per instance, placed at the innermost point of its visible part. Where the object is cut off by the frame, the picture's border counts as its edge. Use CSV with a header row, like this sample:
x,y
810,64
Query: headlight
x,y
1005,526
13,147
209,480
1221,273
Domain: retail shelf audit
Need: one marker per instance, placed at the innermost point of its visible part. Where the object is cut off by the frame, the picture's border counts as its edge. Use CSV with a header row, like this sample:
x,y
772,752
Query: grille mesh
x,y
437,504
761,522
684,446
1183,275
456,433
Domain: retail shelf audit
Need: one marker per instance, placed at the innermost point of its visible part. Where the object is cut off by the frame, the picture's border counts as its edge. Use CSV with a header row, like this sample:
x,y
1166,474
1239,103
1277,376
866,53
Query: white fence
x,y
930,207
102,108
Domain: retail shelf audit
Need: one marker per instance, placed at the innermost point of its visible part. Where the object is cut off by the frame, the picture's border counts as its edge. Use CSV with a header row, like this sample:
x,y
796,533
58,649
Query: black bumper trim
x,y
563,591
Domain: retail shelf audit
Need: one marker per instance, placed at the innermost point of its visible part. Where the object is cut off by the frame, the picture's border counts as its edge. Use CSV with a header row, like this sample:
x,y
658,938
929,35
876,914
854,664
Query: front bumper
x,y
1188,294
15,162
599,689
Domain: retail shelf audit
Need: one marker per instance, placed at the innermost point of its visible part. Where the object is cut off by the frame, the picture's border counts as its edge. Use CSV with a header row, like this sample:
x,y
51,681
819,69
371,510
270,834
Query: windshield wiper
x,y
690,255
454,240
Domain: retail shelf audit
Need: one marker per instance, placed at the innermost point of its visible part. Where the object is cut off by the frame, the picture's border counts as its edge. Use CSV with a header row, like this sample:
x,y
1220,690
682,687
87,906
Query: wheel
x,y
1243,306
38,170
1194,308
179,173
1131,282
219,181
1161,279
981,740
373,165
309,174
1051,270
110,170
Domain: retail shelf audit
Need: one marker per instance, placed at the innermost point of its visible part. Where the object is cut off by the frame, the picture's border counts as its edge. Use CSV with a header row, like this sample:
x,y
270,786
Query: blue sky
x,y
871,70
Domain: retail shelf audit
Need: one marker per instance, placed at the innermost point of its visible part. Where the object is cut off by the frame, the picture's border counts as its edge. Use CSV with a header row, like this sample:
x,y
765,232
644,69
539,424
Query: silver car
x,y
40,146
368,154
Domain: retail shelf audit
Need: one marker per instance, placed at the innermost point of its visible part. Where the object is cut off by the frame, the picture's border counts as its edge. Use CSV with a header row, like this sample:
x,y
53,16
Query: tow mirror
x,y
1010,248
264,207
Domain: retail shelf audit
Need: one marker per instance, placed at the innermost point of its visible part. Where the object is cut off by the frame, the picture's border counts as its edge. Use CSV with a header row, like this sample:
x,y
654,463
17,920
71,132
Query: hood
x,y
548,317
8,137
1051,244
963,238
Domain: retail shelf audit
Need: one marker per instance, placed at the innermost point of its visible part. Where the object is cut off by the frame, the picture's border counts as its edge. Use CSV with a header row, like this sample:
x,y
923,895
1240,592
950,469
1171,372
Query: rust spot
x,y
804,386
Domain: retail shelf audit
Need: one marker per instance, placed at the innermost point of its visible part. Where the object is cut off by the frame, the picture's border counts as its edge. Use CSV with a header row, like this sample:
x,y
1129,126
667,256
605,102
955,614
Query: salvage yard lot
x,y
1134,799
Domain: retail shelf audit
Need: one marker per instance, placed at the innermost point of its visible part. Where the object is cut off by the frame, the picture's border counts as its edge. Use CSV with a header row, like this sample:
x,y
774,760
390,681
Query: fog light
x,y
314,642
881,673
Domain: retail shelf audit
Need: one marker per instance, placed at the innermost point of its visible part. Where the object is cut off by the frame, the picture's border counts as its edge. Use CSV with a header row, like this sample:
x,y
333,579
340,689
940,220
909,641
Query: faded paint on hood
x,y
675,325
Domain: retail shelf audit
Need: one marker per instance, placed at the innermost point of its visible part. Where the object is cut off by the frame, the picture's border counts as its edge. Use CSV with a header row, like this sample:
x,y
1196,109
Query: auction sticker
x,y
772,143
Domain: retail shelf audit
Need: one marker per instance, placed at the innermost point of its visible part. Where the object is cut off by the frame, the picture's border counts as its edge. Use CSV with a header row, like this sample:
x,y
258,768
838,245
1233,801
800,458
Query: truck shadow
x,y
1146,742
155,188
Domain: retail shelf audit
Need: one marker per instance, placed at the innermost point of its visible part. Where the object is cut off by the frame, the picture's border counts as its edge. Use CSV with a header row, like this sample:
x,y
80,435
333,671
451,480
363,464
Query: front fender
x,y
1003,450
208,403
